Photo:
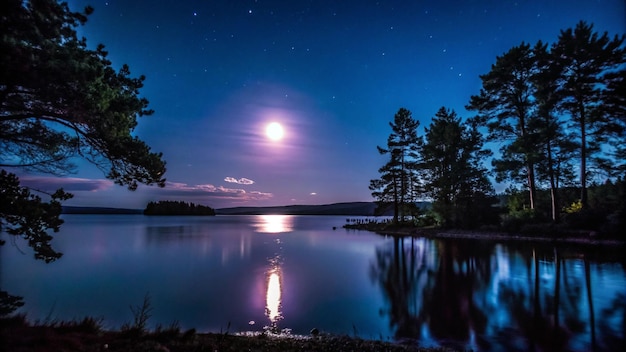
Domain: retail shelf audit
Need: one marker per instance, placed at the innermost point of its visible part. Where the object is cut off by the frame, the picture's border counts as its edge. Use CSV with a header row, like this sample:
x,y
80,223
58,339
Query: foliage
x,y
59,100
590,74
548,105
430,218
555,145
398,183
26,215
505,107
87,325
575,207
9,303
453,176
177,208
141,315
514,221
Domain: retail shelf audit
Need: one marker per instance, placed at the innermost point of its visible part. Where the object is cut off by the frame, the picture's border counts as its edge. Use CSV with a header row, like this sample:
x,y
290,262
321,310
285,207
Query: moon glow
x,y
274,131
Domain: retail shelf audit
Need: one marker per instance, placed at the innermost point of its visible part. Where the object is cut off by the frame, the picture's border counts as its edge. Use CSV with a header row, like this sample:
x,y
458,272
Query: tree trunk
x,y
583,158
531,184
395,201
553,186
402,186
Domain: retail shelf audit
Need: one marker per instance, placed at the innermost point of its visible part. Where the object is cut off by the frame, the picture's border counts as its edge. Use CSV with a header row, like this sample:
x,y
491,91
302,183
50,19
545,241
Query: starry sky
x,y
332,73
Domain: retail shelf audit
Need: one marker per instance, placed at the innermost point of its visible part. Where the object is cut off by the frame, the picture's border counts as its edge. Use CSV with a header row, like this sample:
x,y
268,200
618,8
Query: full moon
x,y
274,131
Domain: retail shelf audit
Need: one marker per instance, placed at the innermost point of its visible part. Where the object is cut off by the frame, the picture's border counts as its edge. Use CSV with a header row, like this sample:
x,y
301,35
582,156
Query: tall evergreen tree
x,y
556,149
505,106
397,182
454,176
586,63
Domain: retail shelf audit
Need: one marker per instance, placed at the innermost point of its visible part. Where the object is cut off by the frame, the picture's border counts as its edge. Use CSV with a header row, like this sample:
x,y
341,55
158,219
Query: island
x,y
177,208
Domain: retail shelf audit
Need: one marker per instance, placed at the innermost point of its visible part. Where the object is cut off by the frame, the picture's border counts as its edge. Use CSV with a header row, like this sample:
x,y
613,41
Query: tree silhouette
x,y
587,65
177,208
452,154
397,184
59,99
556,149
505,106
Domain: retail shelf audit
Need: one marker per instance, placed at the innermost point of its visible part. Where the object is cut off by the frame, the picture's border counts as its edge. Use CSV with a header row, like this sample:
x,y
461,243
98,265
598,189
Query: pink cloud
x,y
208,192
70,184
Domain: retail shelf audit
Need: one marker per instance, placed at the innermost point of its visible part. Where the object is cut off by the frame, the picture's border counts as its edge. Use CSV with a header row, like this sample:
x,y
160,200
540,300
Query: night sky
x,y
332,73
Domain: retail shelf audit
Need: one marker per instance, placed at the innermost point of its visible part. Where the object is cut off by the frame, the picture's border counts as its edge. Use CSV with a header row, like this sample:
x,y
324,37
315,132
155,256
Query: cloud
x,y
208,192
313,194
69,184
104,192
241,181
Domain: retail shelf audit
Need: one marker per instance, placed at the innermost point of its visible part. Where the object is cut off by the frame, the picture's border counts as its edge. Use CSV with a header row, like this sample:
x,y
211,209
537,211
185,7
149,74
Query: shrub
x,y
515,220
588,219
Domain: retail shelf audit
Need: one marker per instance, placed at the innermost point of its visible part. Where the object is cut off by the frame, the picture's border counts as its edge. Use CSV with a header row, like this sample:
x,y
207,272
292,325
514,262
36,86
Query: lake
x,y
250,273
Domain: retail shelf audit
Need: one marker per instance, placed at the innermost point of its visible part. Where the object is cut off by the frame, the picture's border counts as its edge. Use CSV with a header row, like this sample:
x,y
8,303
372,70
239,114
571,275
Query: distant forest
x,y
177,208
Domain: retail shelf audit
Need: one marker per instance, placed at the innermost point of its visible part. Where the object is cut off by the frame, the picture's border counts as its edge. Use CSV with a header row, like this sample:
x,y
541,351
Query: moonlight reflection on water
x,y
275,223
273,297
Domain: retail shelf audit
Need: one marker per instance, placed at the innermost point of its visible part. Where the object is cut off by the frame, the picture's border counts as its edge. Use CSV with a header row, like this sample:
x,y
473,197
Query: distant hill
x,y
99,210
354,208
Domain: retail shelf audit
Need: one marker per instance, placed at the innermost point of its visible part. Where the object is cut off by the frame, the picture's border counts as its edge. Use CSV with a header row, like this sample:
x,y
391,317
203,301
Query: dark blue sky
x,y
333,73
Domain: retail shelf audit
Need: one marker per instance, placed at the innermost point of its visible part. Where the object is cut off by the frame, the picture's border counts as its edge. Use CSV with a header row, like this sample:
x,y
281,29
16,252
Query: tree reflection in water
x,y
472,294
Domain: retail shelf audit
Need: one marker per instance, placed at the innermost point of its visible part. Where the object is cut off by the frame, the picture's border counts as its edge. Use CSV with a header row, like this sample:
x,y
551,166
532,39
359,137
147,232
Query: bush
x,y
588,219
515,220
141,314
88,325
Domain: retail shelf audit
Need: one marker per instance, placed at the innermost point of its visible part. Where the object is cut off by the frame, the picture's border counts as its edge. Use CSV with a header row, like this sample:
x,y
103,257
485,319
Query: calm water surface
x,y
246,273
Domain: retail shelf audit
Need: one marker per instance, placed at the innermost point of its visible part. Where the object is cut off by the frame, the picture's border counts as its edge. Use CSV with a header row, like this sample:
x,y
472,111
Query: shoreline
x,y
87,335
574,238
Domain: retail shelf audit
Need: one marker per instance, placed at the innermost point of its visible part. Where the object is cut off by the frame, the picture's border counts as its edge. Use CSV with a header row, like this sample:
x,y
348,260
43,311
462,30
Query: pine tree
x,y
587,62
556,148
505,106
60,100
454,176
397,182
